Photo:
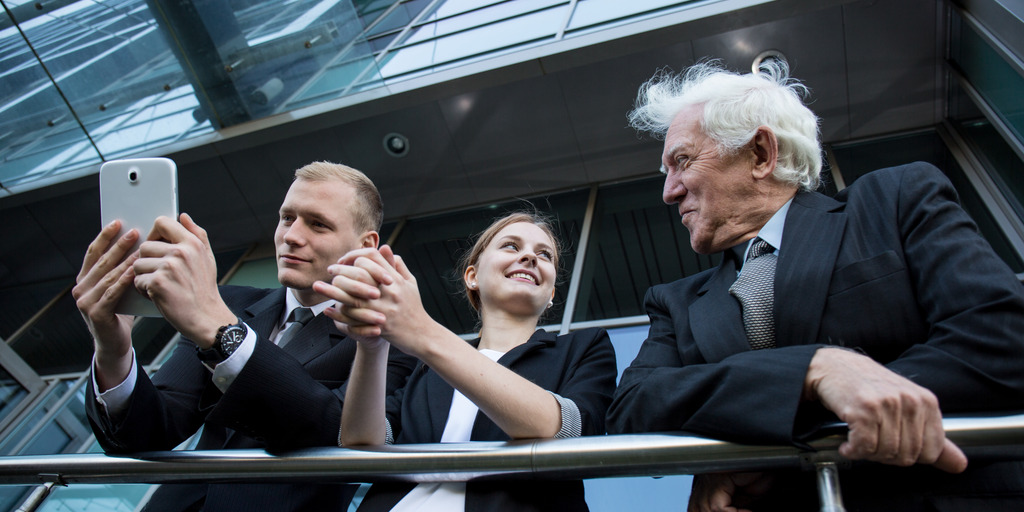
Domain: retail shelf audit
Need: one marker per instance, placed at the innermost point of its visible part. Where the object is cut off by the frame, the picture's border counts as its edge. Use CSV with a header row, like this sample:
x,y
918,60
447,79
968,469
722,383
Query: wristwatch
x,y
228,339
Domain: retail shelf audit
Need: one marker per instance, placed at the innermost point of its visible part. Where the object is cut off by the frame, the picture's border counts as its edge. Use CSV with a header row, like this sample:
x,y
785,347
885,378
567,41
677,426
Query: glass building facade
x,y
82,82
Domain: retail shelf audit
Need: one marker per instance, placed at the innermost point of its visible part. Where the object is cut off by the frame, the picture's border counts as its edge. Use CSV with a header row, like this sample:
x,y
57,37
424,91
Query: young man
x,y
236,372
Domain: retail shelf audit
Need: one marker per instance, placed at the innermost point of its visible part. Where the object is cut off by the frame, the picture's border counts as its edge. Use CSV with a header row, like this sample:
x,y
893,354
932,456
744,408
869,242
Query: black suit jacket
x,y
893,267
282,399
579,366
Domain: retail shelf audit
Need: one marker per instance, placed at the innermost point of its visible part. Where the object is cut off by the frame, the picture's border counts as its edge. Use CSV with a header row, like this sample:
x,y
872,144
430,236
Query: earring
x,y
472,286
551,303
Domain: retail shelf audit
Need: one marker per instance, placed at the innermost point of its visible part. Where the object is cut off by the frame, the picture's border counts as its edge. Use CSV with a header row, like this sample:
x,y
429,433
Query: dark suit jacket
x,y
579,366
893,267
282,399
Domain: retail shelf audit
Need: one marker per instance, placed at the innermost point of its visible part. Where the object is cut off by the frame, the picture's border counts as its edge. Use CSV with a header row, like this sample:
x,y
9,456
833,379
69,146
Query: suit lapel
x,y
439,403
440,393
264,314
314,339
538,340
715,318
811,239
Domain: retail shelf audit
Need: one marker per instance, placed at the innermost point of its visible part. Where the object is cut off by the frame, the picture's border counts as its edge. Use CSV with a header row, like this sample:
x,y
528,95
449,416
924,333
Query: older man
x,y
882,307
256,367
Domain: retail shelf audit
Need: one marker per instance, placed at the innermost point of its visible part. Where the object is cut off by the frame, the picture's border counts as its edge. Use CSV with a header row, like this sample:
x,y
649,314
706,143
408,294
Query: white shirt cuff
x,y
225,372
114,401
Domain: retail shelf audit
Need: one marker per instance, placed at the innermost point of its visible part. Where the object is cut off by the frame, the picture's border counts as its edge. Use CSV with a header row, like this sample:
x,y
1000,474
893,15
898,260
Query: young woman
x,y
512,382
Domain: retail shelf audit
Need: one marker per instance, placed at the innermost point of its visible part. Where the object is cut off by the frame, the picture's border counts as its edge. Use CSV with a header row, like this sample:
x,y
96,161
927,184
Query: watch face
x,y
231,339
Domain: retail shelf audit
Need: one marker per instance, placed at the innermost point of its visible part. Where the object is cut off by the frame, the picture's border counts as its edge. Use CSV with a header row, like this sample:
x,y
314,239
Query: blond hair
x,y
368,212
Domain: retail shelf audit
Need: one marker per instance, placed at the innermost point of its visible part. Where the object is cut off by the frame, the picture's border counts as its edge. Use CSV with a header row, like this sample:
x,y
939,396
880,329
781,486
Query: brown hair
x,y
470,258
368,213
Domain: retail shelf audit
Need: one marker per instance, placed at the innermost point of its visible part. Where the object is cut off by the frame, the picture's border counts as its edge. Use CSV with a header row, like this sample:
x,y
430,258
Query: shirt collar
x,y
771,232
291,303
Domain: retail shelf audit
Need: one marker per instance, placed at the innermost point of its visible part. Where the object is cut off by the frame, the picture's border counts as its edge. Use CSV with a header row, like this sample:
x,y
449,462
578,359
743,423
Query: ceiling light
x,y
767,55
396,144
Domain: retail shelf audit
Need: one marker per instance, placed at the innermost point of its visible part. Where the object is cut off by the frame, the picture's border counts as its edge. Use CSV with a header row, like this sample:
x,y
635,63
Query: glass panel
x,y
95,498
251,61
12,496
25,440
261,273
855,160
615,494
456,7
499,35
994,79
352,73
978,210
593,12
627,341
431,248
11,393
112,65
398,18
38,132
1003,164
114,68
998,157
480,17
637,241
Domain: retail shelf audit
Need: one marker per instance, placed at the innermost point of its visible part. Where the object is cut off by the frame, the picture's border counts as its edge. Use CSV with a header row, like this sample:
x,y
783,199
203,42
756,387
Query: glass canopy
x,y
86,81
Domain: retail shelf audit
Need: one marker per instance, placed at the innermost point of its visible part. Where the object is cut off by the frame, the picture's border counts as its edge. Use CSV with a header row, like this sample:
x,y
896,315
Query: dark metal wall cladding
x,y
636,242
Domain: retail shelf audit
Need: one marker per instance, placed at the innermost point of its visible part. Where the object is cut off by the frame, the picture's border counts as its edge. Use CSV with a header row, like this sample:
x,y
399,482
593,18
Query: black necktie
x,y
755,289
298,318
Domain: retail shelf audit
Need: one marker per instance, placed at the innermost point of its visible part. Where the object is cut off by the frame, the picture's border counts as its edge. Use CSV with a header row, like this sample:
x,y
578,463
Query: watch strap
x,y
228,339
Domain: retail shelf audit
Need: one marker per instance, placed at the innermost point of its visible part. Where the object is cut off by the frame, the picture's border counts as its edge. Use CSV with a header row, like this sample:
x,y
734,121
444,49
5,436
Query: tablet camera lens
x,y
133,176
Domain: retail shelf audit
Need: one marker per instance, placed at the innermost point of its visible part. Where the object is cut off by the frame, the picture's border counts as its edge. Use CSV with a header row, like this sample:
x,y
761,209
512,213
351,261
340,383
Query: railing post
x,y
828,487
36,498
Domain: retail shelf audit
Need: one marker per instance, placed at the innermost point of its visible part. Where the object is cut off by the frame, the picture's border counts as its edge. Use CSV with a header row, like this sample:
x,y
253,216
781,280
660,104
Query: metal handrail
x,y
584,457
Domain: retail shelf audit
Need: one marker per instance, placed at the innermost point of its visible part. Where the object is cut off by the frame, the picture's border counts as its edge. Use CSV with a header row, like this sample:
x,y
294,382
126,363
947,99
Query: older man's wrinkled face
x,y
715,193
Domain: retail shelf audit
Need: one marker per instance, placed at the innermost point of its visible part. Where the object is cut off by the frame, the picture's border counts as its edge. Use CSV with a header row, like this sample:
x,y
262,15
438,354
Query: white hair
x,y
734,107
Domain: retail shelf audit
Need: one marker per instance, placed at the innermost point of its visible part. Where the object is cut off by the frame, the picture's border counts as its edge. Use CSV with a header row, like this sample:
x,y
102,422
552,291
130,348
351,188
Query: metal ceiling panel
x,y
262,175
599,96
28,252
893,59
515,139
813,46
70,222
211,195
429,177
